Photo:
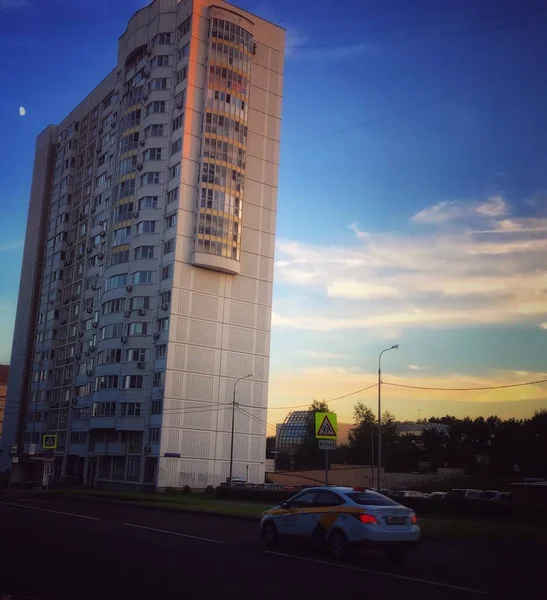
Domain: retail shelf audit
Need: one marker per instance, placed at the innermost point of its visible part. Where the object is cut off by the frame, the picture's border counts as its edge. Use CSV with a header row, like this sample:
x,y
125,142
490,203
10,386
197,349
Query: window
x,y
142,277
174,171
122,236
171,220
153,154
371,498
127,188
156,407
118,467
159,378
183,52
177,123
162,39
167,272
161,351
148,202
131,409
184,28
104,409
173,195
154,131
150,178
133,382
133,469
304,500
328,499
161,60
113,306
169,246
158,106
145,227
181,75
165,297
117,258
113,355
163,324
144,252
127,165
113,330
102,179
154,435
180,99
116,281
63,417
176,146
137,328
78,437
135,355
137,302
106,382
158,83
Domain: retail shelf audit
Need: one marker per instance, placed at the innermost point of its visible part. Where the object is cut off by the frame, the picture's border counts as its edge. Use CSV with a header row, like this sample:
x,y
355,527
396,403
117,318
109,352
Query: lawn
x,y
432,527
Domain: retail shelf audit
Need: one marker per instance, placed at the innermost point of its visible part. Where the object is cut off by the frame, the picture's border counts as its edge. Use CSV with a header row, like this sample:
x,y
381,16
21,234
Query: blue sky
x,y
412,188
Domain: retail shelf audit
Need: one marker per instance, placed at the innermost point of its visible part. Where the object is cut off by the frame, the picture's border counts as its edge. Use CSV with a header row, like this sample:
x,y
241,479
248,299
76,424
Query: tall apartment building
x,y
147,274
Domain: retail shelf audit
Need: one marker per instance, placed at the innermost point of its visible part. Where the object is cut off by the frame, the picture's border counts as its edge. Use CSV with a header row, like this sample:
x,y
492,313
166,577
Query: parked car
x,y
494,496
341,518
463,494
436,495
399,494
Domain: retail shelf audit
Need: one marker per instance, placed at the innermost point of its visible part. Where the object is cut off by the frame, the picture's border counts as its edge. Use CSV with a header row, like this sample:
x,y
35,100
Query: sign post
x,y
326,426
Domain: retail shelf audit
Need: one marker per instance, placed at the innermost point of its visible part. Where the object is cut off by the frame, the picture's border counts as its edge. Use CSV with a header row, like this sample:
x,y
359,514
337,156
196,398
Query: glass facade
x,y
293,431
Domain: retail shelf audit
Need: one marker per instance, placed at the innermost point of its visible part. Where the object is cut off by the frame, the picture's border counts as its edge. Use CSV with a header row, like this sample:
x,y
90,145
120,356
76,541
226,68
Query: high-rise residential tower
x,y
146,285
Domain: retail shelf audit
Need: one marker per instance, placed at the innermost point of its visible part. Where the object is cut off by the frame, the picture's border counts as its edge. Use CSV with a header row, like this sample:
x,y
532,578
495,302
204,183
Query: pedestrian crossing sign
x,y
326,426
49,441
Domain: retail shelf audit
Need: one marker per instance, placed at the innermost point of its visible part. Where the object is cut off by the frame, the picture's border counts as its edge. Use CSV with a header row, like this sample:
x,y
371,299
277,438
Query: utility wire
x,y
470,389
409,108
436,24
410,38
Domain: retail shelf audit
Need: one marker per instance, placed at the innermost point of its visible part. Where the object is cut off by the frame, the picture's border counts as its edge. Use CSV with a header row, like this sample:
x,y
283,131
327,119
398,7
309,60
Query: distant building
x,y
292,432
416,429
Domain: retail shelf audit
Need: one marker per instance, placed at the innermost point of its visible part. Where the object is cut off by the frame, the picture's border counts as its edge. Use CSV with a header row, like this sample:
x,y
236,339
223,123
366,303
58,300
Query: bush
x,y
170,491
210,490
186,489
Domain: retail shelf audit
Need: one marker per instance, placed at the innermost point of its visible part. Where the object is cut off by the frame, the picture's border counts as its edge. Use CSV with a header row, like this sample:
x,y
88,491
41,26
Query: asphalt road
x,y
55,549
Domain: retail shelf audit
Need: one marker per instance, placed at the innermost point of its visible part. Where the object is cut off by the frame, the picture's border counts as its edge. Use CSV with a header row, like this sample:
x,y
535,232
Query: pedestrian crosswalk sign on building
x,y
326,426
49,441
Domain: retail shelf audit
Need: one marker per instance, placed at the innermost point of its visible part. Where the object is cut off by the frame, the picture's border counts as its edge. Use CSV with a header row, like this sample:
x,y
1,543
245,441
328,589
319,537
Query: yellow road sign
x,y
326,426
49,441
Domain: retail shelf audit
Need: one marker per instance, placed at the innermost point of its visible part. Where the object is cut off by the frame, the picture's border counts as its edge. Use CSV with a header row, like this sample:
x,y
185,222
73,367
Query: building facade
x,y
147,274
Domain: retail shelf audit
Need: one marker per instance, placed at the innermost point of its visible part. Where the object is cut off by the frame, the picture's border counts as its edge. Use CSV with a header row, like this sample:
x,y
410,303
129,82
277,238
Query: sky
x,y
412,204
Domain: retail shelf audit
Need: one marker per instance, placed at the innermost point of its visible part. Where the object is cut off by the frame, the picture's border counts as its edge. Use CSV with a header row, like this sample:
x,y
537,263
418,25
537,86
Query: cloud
x,y
486,268
14,4
417,368
543,325
324,355
22,111
454,210
11,245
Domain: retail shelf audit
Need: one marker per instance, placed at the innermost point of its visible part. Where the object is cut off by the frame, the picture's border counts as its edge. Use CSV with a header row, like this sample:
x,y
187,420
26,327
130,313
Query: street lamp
x,y
379,452
233,424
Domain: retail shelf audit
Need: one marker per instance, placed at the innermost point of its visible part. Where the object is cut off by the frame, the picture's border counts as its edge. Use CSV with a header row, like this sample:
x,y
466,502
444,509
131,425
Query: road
x,y
56,549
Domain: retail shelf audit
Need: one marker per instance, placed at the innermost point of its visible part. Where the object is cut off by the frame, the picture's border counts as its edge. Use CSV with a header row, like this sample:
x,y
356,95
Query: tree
x,y
308,455
270,445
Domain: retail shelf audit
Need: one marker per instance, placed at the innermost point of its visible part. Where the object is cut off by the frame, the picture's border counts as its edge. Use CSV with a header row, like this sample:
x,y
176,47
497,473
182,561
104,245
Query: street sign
x,y
327,445
326,426
14,459
32,449
49,441
13,449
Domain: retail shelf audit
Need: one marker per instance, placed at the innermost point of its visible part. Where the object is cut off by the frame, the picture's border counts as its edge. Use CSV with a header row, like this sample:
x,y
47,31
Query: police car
x,y
342,518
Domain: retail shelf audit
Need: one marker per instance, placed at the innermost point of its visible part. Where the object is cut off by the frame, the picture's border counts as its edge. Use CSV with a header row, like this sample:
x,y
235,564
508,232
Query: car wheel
x,y
337,545
269,534
396,553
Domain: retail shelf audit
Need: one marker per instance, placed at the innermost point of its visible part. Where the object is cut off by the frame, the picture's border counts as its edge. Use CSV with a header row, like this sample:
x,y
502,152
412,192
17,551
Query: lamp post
x,y
379,452
233,425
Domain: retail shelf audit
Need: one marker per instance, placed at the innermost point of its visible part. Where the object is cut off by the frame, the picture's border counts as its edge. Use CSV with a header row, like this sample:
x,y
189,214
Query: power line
x,y
408,108
406,39
470,389
436,24
256,419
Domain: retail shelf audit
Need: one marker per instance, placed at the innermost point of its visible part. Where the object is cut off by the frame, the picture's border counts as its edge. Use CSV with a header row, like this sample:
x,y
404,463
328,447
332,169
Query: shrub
x,y
210,490
186,489
170,491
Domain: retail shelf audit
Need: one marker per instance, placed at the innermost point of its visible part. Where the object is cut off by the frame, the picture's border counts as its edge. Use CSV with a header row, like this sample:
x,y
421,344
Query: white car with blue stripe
x,y
342,518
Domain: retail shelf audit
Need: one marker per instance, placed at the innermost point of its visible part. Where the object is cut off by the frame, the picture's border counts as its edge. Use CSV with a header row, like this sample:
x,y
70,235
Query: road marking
x,y
186,535
21,505
383,573
60,512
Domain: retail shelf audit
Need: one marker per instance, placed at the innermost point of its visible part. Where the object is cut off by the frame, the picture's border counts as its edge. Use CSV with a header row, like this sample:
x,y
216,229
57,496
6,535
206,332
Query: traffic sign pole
x,y
326,467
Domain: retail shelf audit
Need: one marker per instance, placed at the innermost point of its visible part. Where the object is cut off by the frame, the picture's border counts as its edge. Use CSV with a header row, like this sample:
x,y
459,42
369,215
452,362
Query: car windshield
x,y
371,499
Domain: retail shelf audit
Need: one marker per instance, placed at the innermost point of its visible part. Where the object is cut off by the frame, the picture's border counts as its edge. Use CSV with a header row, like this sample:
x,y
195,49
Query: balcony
x,y
110,448
102,422
130,423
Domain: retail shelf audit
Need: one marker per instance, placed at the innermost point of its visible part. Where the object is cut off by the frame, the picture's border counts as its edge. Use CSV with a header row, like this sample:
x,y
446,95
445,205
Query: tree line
x,y
481,445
